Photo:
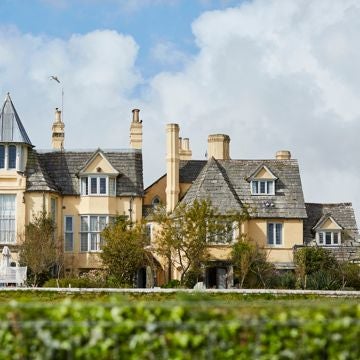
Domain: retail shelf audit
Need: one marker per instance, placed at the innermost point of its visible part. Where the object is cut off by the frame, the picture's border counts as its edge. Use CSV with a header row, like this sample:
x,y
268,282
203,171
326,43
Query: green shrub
x,y
323,280
283,280
172,284
75,283
73,330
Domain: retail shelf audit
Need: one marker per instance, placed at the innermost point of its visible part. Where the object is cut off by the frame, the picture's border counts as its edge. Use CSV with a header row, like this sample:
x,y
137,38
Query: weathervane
x,y
55,78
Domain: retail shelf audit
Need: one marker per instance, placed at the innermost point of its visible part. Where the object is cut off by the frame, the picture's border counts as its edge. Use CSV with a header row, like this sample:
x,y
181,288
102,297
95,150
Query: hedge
x,y
120,330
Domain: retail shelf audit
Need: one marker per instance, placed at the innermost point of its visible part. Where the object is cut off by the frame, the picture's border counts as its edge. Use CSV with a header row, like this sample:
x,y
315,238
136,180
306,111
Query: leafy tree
x,y
250,263
184,235
124,250
40,250
312,259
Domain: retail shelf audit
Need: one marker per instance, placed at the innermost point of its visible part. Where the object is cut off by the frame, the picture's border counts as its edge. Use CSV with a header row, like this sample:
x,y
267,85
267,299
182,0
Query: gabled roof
x,y
58,171
97,152
262,167
342,213
288,202
323,220
11,128
212,184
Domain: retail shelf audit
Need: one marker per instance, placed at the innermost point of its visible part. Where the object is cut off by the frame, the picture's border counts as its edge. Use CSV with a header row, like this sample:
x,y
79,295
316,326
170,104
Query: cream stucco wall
x,y
329,225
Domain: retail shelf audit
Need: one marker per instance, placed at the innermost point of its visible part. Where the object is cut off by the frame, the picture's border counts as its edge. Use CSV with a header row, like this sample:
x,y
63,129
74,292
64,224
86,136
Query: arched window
x,y
155,201
12,156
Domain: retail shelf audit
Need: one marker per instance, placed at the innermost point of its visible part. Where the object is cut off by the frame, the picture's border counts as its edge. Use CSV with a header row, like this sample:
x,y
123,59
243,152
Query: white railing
x,y
13,275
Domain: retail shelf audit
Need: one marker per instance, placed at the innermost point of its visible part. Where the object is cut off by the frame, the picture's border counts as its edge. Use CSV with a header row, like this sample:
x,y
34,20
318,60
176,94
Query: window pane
x,y
94,223
328,238
53,209
112,186
93,186
255,187
271,234
102,185
84,242
262,187
12,156
336,237
278,234
2,156
93,242
68,224
321,237
69,242
102,223
270,187
84,223
84,186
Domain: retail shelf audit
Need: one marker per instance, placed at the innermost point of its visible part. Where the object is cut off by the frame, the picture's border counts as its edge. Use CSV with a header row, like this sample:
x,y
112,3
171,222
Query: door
x,y
221,278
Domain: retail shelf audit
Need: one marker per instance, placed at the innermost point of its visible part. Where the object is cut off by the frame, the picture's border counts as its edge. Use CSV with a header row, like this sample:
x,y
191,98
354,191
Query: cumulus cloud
x,y
97,73
274,75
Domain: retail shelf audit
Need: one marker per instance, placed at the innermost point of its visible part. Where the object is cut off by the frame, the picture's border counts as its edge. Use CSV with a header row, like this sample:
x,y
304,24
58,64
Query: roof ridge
x,y
228,182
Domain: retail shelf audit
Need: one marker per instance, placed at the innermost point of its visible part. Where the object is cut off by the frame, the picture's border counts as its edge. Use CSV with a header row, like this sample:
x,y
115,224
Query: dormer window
x,y
328,237
263,187
96,185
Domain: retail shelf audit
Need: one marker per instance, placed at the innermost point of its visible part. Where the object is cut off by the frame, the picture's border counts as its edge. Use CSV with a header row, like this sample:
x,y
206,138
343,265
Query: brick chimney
x,y
283,155
184,151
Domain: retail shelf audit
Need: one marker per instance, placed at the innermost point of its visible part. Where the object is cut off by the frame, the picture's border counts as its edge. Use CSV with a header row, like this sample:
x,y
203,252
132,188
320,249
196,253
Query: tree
x,y
124,250
184,235
313,259
250,259
40,250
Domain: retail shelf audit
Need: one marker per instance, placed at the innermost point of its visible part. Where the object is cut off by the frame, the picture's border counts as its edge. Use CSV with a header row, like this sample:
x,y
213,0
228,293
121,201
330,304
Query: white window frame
x,y
85,185
322,233
69,232
92,234
18,157
268,190
8,221
275,225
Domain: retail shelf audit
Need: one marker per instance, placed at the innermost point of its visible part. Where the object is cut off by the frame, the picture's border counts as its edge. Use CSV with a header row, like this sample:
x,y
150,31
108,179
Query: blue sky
x,y
272,74
148,22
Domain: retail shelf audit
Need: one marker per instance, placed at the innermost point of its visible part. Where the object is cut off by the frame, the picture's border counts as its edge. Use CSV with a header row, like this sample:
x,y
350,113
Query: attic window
x,y
262,187
328,237
98,185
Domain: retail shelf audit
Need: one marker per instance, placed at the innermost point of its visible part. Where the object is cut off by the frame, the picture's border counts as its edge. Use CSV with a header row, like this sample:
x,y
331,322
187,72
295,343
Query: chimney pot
x,y
136,115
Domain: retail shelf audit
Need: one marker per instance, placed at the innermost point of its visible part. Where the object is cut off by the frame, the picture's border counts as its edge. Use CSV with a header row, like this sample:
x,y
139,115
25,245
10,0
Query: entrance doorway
x,y
216,277
141,278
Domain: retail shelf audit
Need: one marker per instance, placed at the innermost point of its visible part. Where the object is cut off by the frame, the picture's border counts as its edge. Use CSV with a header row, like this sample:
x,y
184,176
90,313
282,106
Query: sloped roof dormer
x,y
98,163
327,222
262,172
11,128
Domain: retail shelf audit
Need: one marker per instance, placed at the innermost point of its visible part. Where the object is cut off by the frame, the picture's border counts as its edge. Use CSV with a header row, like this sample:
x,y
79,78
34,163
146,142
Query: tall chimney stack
x,y
136,130
58,133
219,146
172,166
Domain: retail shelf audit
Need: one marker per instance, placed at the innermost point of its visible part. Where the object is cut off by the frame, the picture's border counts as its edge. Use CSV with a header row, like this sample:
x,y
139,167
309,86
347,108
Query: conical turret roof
x,y
11,128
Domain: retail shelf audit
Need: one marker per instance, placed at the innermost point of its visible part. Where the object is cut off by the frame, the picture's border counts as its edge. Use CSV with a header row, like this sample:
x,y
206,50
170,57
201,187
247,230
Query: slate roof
x,y
342,213
226,183
58,171
190,169
11,127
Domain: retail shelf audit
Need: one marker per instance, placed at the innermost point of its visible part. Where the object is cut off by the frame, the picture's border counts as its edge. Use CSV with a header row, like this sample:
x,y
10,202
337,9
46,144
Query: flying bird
x,y
55,78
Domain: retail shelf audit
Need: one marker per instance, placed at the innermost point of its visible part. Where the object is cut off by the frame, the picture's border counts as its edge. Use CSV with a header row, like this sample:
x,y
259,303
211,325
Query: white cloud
x,y
272,74
275,74
96,71
168,54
